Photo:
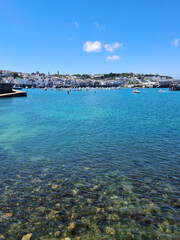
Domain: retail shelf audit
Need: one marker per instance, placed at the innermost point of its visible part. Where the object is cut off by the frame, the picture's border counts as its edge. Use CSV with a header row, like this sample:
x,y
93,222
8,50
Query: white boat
x,y
135,91
17,88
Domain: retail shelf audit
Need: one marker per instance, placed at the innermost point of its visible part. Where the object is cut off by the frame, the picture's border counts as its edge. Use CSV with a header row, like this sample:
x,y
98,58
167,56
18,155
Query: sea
x,y
97,164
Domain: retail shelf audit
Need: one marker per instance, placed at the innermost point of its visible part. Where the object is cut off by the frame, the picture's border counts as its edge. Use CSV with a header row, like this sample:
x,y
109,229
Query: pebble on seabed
x,y
9,214
110,230
71,226
27,236
56,234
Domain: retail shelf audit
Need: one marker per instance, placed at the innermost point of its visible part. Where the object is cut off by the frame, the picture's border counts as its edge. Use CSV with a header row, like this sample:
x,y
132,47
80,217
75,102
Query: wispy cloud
x,y
76,25
99,26
175,42
71,39
112,47
92,46
113,58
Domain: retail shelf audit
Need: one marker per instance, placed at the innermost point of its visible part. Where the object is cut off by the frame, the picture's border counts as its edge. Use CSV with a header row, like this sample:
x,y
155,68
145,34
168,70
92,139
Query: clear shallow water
x,y
88,165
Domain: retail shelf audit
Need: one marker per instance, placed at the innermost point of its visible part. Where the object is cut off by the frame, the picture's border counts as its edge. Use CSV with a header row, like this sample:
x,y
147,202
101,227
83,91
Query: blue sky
x,y
97,36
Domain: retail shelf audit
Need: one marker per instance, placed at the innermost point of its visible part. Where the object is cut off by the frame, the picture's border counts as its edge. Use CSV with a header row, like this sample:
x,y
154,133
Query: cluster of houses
x,y
42,80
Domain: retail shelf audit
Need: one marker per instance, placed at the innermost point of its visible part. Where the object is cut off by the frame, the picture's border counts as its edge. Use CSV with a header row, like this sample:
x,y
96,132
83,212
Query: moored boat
x,y
135,91
17,88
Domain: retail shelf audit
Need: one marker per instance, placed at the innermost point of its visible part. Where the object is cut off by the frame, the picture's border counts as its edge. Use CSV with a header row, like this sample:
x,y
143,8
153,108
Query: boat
x,y
17,88
135,91
45,89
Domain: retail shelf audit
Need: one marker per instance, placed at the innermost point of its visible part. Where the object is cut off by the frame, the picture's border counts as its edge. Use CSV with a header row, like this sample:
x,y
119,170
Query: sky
x,y
90,36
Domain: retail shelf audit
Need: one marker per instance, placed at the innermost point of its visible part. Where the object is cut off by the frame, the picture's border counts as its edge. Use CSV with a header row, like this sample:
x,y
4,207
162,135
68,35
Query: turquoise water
x,y
89,165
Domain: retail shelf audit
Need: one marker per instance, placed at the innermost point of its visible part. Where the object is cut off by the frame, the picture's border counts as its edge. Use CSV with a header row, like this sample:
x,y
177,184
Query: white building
x,y
21,81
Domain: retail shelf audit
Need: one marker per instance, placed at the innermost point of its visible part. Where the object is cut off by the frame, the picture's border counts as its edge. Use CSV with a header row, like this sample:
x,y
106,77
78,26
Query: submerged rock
x,y
86,168
58,204
56,234
110,230
27,236
71,226
75,191
166,223
95,187
176,204
100,210
114,217
9,214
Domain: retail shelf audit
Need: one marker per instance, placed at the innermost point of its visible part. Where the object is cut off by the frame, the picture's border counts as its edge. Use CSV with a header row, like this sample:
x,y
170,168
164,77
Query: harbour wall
x,y
5,88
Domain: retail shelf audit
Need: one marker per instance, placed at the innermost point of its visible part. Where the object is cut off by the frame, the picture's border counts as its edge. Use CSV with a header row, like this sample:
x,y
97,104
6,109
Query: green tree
x,y
85,76
14,74
77,75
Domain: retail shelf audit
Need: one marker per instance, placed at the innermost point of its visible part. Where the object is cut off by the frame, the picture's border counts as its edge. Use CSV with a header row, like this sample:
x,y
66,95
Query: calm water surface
x,y
88,165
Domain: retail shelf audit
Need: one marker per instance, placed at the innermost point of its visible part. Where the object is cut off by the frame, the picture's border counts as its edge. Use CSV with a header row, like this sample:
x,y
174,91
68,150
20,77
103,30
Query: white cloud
x,y
113,58
112,47
99,26
175,42
92,46
76,25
